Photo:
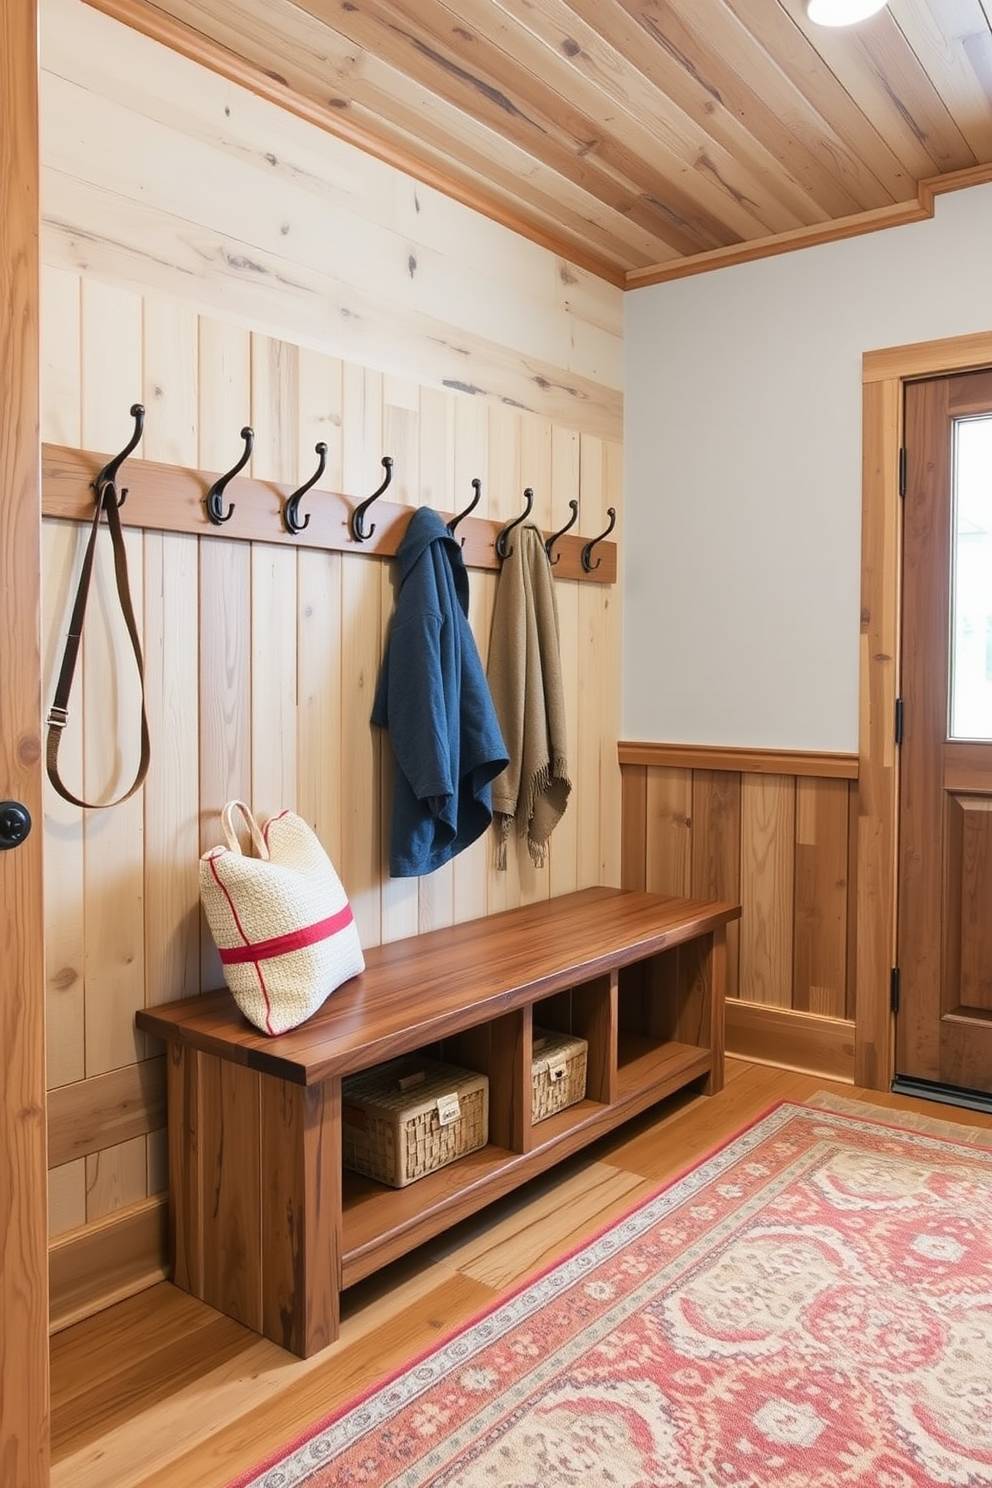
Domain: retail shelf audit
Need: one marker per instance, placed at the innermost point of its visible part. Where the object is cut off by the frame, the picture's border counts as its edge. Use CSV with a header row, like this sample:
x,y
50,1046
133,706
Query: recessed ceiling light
x,y
842,12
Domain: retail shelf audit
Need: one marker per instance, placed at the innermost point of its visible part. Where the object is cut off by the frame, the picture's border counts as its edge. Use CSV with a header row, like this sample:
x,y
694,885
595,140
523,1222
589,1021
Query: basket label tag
x,y
557,1068
448,1109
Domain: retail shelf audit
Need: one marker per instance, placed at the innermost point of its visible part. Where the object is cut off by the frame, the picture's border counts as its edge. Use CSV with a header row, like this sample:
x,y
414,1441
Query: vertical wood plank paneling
x,y
225,604
716,851
66,1197
319,785
361,650
610,788
171,629
113,838
820,974
564,857
399,898
24,1405
768,814
668,808
634,828
586,764
116,1177
435,891
65,944
275,414
470,461
504,501
535,464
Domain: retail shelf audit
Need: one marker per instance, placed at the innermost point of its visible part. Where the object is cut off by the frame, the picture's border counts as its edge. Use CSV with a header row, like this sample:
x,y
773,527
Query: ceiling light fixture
x,y
842,12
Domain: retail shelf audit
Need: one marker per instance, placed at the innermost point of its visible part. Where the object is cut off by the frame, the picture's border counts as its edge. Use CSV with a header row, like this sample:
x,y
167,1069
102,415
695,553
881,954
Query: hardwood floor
x,y
162,1392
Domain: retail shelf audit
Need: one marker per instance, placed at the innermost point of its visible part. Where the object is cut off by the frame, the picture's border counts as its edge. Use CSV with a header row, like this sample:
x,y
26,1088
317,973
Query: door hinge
x,y
899,720
894,989
903,464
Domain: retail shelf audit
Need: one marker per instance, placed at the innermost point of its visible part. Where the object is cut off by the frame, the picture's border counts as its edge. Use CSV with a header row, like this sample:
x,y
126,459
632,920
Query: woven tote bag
x,y
281,920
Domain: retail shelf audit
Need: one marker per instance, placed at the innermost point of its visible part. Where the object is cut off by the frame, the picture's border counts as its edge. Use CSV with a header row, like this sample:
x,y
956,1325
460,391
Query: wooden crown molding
x,y
898,215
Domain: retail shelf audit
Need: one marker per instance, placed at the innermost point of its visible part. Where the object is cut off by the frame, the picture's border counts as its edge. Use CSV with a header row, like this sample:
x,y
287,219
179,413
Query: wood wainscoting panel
x,y
734,824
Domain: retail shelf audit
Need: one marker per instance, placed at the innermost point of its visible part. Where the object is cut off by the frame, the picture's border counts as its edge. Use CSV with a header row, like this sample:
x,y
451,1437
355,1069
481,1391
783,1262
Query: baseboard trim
x,y
102,1263
808,1043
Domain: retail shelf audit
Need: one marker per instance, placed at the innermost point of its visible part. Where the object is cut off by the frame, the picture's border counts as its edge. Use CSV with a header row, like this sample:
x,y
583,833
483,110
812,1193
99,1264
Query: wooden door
x,y
944,1022
24,1453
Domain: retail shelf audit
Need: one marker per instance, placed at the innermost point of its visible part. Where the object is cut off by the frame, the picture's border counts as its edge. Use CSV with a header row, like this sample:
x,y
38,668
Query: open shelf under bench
x,y
267,1227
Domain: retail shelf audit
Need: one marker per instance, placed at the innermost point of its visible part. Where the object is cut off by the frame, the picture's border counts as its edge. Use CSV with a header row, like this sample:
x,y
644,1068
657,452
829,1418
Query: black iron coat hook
x,y
108,475
502,550
215,496
358,531
291,511
611,512
477,488
549,545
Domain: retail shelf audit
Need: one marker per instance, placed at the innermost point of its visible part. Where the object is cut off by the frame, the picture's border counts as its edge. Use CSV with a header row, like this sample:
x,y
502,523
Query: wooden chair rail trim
x,y
169,498
450,979
105,1110
748,761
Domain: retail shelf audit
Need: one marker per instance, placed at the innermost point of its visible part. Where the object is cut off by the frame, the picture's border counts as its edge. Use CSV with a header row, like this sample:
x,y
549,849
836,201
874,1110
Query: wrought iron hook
x,y
358,531
108,475
291,511
215,496
611,512
548,546
501,549
477,488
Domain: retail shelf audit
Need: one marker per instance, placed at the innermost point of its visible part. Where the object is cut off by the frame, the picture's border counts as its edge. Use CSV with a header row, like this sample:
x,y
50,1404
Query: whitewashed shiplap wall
x,y
226,264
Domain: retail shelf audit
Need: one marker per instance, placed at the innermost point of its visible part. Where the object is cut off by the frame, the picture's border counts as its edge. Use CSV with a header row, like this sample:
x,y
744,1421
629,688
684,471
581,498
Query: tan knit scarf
x,y
524,673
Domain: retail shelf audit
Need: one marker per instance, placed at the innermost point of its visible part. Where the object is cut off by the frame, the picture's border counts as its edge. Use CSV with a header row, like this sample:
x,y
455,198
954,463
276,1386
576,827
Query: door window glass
x,y
971,581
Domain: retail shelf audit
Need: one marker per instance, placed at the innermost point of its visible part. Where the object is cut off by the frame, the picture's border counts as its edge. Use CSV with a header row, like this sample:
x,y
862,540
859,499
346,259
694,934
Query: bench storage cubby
x,y
268,1226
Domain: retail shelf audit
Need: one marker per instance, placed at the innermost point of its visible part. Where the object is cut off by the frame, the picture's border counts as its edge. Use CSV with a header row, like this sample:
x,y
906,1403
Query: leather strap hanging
x,y
107,501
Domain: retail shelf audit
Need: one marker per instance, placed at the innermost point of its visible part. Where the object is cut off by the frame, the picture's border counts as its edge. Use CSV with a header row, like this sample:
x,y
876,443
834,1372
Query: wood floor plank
x,y
161,1392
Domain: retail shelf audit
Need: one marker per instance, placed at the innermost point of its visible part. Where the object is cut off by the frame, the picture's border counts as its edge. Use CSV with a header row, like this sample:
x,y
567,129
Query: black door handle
x,y
15,824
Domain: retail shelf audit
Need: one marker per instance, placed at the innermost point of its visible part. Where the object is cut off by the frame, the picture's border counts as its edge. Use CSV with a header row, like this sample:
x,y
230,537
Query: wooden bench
x,y
265,1224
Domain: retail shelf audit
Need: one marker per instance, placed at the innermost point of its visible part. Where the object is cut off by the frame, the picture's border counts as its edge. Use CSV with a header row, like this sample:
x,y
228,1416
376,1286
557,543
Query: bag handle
x,y
59,715
227,822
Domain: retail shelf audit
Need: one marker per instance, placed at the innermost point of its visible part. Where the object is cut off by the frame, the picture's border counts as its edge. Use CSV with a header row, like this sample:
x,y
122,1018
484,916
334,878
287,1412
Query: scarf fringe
x,y
555,773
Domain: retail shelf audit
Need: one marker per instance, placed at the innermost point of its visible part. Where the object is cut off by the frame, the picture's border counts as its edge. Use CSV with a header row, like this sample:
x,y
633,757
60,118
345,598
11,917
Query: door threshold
x,y
948,1095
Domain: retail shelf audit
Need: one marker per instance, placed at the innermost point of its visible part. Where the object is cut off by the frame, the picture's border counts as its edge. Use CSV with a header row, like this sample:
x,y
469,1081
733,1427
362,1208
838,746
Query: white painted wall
x,y
742,511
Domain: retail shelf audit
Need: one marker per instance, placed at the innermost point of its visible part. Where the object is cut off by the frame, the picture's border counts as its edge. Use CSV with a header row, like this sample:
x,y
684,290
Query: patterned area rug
x,y
809,1307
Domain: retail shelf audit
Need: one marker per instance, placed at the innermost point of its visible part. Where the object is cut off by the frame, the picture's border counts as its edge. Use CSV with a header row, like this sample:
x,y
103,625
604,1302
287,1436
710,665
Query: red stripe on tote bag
x,y
295,940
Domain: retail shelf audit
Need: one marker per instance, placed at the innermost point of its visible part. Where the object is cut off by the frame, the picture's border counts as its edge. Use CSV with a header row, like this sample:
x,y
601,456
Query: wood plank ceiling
x,y
642,139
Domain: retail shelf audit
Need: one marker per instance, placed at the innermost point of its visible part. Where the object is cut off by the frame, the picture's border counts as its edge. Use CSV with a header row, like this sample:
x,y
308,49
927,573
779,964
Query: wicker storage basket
x,y
410,1116
558,1072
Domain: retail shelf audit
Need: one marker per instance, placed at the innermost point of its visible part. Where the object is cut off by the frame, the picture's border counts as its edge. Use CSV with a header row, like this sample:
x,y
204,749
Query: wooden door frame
x,y
884,374
24,1382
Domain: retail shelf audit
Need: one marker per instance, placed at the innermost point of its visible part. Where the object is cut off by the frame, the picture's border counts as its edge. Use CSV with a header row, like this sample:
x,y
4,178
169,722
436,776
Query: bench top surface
x,y
429,986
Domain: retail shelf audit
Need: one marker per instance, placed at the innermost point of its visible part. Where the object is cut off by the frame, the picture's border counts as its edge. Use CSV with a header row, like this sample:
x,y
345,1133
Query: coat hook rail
x,y
215,496
108,475
291,510
459,516
587,564
501,549
549,545
358,530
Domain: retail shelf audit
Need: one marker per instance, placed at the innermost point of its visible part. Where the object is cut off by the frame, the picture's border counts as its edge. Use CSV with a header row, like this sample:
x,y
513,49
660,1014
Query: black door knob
x,y
15,824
